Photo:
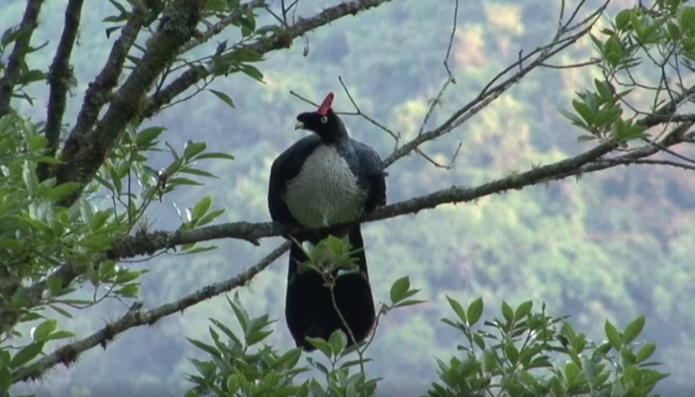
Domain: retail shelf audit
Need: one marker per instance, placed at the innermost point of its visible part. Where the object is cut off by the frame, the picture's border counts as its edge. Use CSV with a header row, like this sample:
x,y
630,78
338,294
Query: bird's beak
x,y
299,126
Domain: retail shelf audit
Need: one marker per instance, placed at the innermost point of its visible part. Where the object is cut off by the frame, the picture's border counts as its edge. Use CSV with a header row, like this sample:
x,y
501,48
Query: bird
x,y
324,179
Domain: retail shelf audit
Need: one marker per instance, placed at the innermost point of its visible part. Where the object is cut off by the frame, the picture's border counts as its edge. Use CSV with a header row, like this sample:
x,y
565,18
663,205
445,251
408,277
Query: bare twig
x,y
451,42
627,161
393,135
491,92
438,99
573,65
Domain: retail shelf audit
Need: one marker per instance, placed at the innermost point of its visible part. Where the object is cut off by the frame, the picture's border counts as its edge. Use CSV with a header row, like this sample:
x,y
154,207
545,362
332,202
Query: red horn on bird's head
x,y
326,104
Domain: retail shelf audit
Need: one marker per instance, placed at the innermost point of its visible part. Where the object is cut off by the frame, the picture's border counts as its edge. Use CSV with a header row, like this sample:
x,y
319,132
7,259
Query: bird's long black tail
x,y
309,308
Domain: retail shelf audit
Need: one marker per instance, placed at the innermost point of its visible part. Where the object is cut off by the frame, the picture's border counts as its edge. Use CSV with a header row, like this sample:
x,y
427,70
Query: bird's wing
x,y
371,175
286,167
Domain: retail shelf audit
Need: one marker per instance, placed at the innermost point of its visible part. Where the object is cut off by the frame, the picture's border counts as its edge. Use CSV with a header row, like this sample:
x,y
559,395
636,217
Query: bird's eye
x,y
324,119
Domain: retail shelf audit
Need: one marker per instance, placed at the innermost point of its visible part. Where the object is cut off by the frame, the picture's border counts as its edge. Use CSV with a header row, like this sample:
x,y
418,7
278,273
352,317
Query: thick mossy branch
x,y
282,39
16,60
59,78
100,90
86,149
135,317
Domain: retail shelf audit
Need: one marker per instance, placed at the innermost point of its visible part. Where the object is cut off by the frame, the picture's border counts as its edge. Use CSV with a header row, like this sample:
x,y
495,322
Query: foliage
x,y
522,355
641,59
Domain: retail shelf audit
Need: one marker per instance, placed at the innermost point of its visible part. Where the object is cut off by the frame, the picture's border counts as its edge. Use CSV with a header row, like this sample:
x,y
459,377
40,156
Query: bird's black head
x,y
323,122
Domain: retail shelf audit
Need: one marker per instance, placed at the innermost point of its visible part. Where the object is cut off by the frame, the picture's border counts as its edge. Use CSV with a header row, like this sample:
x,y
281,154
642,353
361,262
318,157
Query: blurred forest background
x,y
614,245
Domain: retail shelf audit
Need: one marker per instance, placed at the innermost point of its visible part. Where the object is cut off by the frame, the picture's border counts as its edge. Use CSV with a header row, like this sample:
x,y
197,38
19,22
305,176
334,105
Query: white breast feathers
x,y
325,192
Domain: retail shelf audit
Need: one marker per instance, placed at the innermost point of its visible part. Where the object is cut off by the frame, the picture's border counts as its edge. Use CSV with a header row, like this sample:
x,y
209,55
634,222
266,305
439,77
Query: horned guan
x,y
324,179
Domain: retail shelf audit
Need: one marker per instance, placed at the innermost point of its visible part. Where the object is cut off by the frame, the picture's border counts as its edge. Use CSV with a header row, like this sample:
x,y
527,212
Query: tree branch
x,y
16,60
149,243
85,149
281,39
674,137
67,355
59,81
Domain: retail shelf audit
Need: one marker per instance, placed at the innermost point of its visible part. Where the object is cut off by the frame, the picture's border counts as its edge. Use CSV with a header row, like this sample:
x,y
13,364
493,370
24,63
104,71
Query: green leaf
x,y
5,358
202,207
622,19
146,136
633,330
27,354
5,379
205,347
290,359
523,310
126,276
193,148
195,171
410,302
215,155
645,352
30,179
603,88
240,314
337,340
574,119
584,110
55,285
458,309
686,18
256,337
572,372
210,217
183,181
507,312
399,288
129,290
30,76
511,352
613,336
63,312
224,97
353,363
232,384
63,190
44,329
252,72
674,32
31,316
322,345
59,335
11,34
475,311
